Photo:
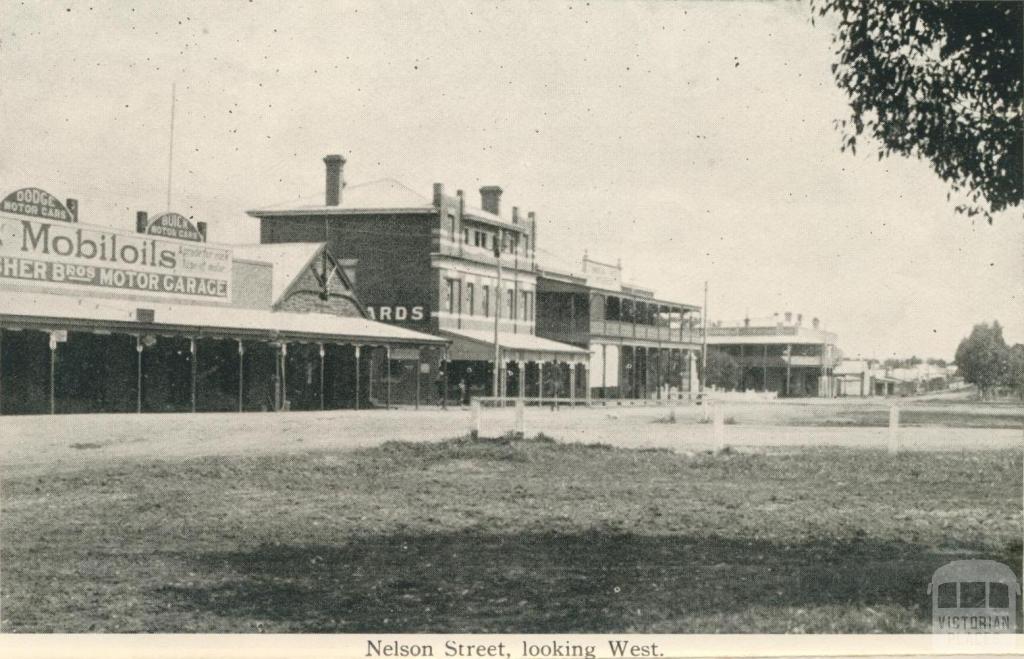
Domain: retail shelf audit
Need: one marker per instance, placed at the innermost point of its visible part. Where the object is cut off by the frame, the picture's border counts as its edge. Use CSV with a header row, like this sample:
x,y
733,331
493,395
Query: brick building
x,y
431,264
97,319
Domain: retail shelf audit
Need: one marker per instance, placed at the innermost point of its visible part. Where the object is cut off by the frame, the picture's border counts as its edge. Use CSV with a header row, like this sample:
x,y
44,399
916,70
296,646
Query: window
x,y
470,309
465,236
451,227
522,305
947,595
480,239
972,595
998,596
450,293
511,304
486,300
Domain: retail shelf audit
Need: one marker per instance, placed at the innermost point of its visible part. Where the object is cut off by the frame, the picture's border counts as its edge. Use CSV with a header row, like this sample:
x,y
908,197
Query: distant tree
x,y
983,358
941,80
934,361
1015,369
723,371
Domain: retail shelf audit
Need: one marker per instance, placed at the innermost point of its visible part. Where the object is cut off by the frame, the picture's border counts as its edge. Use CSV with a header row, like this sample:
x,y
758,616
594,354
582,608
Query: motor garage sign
x,y
47,253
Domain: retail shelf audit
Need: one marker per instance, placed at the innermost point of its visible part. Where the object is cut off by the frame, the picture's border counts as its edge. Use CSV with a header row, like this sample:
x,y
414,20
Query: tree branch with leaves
x,y
939,80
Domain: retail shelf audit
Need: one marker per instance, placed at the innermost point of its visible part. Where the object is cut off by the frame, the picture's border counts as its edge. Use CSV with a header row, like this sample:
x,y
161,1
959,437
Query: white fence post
x,y
520,429
718,428
894,429
474,407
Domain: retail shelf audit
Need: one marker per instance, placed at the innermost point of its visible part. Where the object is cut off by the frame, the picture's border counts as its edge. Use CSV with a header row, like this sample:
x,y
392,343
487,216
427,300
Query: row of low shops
x,y
99,319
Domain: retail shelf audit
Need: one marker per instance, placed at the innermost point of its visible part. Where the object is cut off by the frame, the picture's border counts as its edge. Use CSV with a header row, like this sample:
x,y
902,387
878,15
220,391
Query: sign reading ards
x,y
70,255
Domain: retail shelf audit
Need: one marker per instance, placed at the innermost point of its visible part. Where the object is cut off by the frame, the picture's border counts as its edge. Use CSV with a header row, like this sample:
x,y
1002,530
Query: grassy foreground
x,y
498,536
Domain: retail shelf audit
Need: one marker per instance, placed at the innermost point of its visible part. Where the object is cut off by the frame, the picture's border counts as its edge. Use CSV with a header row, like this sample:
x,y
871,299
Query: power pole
x,y
170,151
704,346
498,245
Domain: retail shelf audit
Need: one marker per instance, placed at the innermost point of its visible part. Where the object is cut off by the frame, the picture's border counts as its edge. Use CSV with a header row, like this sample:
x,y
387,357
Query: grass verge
x,y
502,536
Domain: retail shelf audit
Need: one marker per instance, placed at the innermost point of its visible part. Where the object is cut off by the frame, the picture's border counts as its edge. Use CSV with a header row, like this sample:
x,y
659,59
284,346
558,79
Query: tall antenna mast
x,y
170,152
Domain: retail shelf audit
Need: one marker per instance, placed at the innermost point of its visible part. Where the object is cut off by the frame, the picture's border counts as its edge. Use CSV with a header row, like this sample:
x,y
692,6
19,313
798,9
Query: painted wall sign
x,y
173,225
36,203
63,255
602,275
397,312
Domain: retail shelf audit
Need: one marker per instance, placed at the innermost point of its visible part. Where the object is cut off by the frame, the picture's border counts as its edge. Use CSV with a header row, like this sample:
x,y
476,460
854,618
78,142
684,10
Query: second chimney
x,y
335,179
490,199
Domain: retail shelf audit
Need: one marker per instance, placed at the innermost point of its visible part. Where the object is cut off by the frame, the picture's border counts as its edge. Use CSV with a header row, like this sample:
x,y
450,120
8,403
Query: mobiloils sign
x,y
48,253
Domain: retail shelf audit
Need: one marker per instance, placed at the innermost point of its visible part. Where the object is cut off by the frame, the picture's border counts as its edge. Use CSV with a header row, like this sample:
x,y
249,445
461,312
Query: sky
x,y
693,140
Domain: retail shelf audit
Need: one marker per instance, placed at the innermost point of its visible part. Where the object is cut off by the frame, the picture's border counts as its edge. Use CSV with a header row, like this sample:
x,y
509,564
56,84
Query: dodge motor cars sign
x,y
36,203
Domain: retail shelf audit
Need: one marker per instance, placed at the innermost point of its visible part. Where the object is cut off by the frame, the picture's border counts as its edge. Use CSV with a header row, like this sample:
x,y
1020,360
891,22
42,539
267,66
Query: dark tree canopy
x,y
939,80
983,358
723,371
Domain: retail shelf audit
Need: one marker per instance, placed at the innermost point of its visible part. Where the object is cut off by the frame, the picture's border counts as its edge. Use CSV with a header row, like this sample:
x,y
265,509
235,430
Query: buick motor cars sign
x,y
37,203
173,225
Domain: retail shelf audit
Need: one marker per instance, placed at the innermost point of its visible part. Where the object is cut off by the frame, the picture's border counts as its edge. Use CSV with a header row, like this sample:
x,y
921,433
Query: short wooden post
x,y
520,430
894,429
474,429
718,428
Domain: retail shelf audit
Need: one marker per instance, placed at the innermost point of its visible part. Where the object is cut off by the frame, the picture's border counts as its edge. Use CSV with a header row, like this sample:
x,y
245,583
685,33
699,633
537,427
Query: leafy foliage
x,y
939,80
723,371
983,358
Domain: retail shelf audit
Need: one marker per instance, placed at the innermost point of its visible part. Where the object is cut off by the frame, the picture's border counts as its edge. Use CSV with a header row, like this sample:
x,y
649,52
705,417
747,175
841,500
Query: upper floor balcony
x,y
517,260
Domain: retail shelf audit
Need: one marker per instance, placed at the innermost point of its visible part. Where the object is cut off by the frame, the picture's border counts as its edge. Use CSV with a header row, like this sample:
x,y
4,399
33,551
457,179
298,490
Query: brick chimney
x,y
490,199
814,323
335,165
515,215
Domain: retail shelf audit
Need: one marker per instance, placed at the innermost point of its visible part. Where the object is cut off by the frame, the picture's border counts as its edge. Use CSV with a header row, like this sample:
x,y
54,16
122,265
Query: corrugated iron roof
x,y
207,317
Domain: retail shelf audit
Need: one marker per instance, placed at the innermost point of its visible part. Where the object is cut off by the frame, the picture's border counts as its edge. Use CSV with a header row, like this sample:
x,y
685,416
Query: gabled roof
x,y
288,259
384,194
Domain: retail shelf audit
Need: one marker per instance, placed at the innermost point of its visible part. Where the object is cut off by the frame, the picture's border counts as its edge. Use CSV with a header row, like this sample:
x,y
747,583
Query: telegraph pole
x,y
498,301
170,151
704,345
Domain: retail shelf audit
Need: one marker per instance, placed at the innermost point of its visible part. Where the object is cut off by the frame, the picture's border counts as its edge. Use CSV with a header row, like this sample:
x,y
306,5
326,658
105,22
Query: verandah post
x,y
241,376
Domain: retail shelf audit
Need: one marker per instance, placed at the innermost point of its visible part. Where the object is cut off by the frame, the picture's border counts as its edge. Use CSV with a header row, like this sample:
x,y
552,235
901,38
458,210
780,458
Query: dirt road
x,y
48,443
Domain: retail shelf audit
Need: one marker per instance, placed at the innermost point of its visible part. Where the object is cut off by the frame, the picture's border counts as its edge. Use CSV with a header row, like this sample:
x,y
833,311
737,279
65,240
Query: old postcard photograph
x,y
517,330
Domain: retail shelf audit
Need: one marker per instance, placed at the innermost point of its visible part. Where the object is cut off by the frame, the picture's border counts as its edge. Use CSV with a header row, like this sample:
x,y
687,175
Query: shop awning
x,y
475,345
43,309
